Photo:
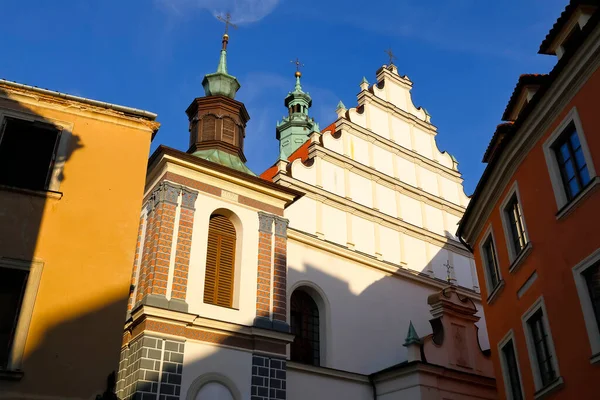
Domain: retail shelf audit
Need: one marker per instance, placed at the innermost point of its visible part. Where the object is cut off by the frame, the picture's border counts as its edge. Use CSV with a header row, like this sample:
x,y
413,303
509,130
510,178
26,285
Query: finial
x,y
390,55
227,21
341,106
364,84
411,336
364,80
450,273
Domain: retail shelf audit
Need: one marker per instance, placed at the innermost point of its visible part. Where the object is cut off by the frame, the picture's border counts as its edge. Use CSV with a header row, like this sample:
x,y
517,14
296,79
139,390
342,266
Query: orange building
x,y
533,222
72,174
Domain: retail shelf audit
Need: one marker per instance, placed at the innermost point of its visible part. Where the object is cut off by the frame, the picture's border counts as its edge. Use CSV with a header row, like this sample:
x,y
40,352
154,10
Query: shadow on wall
x,y
60,359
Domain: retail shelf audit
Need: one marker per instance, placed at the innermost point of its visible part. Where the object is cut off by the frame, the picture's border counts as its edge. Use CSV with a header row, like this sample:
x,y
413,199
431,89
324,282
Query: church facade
x,y
335,274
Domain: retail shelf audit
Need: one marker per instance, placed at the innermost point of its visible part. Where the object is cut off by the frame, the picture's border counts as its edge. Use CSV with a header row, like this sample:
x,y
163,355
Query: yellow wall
x,y
86,240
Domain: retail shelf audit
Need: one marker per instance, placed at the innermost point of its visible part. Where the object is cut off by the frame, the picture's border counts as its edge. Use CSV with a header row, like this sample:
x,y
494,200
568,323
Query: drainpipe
x,y
465,243
372,382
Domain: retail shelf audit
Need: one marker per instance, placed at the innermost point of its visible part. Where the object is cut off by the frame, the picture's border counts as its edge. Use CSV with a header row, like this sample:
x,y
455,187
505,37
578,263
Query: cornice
x,y
372,262
373,215
386,180
328,372
584,63
395,148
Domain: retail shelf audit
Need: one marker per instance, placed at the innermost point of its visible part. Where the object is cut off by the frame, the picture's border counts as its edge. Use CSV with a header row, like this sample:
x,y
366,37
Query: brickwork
x,y
184,244
268,378
136,262
280,271
142,280
153,369
263,291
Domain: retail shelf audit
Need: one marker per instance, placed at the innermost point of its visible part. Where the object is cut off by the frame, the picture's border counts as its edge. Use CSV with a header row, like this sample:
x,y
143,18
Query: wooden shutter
x,y
209,127
228,130
220,262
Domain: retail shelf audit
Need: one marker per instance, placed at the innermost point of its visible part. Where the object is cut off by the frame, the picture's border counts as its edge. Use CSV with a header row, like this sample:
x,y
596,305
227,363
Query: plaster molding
x,y
188,197
265,222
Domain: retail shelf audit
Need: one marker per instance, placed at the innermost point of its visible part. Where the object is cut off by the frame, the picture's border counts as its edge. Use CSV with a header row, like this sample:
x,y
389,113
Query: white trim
x,y
512,252
589,316
15,355
65,133
510,336
210,377
532,278
581,196
537,305
560,194
489,233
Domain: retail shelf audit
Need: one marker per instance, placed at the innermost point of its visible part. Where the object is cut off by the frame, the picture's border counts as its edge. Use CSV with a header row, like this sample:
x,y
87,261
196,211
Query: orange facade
x,y
560,235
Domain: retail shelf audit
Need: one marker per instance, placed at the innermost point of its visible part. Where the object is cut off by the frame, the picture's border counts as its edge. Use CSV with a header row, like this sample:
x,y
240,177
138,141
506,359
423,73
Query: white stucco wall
x,y
367,311
308,386
202,358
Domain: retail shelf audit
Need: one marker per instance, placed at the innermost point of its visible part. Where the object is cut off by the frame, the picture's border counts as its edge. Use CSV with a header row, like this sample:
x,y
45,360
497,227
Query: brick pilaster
x,y
142,278
263,290
136,262
280,276
184,244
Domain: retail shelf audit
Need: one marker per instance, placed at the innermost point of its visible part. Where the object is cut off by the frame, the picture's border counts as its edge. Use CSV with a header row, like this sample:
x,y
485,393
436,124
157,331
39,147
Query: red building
x,y
533,222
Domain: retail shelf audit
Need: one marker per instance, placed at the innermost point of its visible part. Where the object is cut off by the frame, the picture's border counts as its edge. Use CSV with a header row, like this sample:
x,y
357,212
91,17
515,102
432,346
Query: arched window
x,y
220,262
304,318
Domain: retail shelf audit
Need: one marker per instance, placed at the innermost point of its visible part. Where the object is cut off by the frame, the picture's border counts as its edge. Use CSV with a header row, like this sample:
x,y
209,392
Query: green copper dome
x,y
221,83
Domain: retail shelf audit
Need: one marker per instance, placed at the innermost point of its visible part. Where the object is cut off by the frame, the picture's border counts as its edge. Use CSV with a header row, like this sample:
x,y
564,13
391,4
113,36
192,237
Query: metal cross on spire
x,y
227,21
450,269
390,55
298,66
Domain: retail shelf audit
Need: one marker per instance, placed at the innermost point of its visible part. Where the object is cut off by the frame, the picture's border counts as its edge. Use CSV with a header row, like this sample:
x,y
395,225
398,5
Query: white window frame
x,y
540,389
514,257
510,336
65,132
492,291
15,355
589,317
560,194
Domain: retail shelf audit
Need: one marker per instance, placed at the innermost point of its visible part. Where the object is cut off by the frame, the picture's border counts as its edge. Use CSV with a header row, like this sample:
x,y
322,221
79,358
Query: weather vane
x,y
390,55
298,65
227,21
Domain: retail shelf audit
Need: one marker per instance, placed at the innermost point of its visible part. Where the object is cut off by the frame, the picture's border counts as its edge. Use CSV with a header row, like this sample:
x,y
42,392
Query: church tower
x,y
292,131
217,120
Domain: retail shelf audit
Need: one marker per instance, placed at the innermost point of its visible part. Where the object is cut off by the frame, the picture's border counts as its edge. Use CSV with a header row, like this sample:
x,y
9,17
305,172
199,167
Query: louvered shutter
x,y
220,262
228,130
209,127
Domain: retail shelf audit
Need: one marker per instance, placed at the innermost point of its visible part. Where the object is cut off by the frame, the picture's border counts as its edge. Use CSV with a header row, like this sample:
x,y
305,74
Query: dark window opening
x,y
514,216
592,278
571,162
27,151
512,370
12,289
543,356
305,326
491,263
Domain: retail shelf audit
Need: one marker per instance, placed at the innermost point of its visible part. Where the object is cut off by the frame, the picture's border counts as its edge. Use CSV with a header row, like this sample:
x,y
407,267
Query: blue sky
x,y
463,56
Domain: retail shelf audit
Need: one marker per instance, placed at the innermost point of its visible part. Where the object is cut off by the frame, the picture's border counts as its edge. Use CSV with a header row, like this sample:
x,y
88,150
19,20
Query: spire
x,y
411,336
294,129
340,106
221,83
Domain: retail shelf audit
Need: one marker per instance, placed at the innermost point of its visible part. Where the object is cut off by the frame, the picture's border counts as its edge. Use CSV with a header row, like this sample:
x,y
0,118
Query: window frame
x,y
65,132
589,316
34,267
563,203
514,257
541,390
510,336
492,291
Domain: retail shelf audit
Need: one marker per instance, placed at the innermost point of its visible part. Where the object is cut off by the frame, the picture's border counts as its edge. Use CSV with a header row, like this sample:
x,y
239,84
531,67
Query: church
x,y
334,274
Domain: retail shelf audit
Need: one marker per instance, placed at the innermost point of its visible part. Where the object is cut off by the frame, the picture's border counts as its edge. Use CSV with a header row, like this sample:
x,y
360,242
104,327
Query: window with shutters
x,y
220,262
209,127
304,324
27,153
228,131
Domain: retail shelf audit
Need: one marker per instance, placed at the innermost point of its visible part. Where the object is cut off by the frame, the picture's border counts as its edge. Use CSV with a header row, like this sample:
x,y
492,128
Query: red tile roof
x,y
499,134
562,21
524,81
301,153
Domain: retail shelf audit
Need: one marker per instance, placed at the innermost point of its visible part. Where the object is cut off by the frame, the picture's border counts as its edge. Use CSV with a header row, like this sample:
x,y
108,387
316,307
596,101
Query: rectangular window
x,y
539,340
571,162
592,279
12,290
511,370
491,263
27,152
514,217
